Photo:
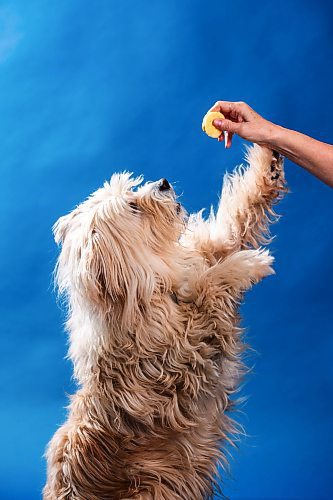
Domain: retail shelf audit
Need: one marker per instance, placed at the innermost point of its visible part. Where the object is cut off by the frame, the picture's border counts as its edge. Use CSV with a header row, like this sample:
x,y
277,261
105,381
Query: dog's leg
x,y
221,288
234,275
245,209
248,195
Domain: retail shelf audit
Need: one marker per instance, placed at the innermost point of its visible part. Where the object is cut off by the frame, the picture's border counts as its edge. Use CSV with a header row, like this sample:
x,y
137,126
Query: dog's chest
x,y
206,323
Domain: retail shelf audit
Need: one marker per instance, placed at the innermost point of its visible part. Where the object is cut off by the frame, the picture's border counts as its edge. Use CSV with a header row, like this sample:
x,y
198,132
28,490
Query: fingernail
x,y
217,123
225,140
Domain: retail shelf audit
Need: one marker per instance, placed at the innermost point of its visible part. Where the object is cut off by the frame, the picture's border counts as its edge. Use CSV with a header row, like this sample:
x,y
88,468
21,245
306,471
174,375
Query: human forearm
x,y
315,156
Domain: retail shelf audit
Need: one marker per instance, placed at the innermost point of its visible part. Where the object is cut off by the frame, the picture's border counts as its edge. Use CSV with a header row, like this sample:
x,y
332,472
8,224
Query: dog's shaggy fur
x,y
155,340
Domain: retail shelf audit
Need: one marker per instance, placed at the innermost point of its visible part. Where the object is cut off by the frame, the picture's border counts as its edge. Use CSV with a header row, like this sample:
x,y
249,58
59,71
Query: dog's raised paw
x,y
276,166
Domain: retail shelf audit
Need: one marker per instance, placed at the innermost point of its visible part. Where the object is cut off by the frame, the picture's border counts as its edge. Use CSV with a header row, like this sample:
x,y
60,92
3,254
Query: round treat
x,y
207,124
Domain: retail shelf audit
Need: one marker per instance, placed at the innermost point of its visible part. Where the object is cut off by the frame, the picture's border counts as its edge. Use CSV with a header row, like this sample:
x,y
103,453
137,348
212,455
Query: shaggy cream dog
x,y
155,341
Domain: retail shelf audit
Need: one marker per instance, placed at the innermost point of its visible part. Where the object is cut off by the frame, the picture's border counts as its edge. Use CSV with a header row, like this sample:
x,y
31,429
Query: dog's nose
x,y
164,185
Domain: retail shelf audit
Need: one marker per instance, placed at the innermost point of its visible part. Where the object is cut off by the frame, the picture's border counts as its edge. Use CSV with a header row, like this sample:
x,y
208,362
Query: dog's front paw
x,y
276,167
260,264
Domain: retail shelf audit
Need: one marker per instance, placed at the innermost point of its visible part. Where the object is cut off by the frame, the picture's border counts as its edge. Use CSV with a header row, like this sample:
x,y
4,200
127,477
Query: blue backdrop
x,y
90,88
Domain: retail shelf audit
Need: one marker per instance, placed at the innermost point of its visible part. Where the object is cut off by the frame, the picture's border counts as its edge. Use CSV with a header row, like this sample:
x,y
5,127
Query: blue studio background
x,y
90,88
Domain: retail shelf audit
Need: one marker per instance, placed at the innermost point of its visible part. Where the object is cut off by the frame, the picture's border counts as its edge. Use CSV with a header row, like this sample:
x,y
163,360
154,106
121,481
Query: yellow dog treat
x,y
207,123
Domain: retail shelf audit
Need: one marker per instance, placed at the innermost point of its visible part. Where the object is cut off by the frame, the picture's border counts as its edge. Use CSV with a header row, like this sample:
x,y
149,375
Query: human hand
x,y
242,120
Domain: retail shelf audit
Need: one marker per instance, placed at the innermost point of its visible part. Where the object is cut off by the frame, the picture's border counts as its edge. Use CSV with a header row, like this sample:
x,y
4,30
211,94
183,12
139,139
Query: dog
x,y
153,301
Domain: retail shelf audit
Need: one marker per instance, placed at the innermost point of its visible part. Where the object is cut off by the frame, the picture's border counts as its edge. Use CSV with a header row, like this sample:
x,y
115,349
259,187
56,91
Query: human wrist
x,y
275,136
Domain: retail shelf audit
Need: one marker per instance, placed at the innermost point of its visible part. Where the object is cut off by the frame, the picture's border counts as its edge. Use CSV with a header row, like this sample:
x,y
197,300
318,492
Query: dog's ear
x,y
114,277
100,269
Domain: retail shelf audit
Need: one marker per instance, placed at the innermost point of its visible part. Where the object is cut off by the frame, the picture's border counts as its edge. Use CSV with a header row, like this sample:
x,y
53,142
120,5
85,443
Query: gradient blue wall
x,y
89,88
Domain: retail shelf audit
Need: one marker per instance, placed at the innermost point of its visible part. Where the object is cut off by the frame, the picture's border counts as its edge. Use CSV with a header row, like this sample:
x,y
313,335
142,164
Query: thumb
x,y
226,125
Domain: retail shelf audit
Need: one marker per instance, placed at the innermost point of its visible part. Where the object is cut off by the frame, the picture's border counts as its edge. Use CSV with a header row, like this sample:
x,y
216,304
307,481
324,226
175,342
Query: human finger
x,y
226,137
227,125
237,111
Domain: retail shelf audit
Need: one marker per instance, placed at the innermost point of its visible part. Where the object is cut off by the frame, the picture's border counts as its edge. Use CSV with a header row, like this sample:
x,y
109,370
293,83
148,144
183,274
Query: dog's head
x,y
118,244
